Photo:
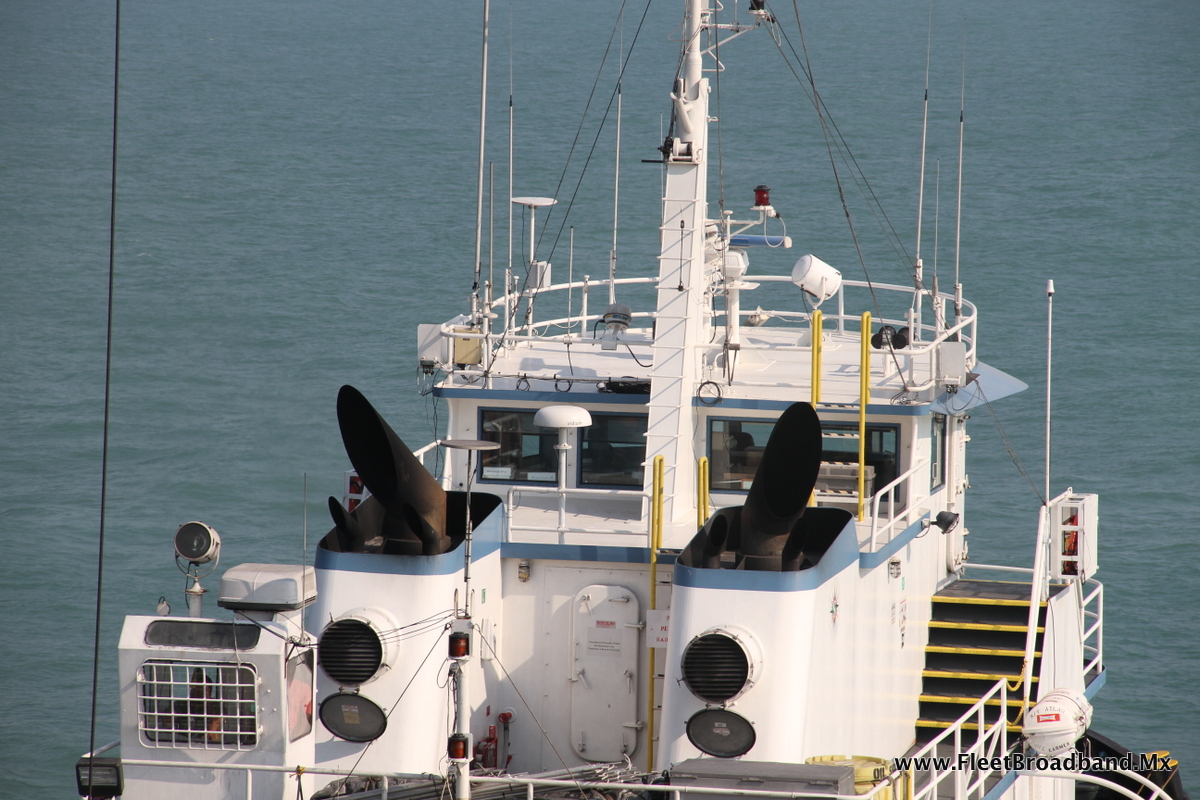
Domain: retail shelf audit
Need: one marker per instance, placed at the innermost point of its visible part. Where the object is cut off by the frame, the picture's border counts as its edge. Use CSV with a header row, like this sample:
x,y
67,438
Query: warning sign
x,y
658,625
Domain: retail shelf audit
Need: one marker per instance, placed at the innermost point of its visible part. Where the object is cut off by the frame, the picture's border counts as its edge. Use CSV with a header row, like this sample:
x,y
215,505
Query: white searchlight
x,y
816,278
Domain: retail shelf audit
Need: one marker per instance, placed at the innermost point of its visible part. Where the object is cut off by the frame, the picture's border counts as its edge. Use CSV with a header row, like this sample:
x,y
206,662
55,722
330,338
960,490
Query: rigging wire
x,y
845,151
108,351
532,715
437,640
566,214
599,129
1008,445
583,117
842,146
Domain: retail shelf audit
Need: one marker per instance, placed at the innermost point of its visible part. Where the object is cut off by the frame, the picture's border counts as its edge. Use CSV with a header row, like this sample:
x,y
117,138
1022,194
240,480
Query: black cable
x,y
112,238
635,358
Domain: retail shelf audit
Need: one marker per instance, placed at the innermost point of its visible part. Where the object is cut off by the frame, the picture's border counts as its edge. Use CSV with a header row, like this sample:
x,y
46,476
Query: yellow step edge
x,y
984,601
979,651
966,701
974,676
980,626
966,726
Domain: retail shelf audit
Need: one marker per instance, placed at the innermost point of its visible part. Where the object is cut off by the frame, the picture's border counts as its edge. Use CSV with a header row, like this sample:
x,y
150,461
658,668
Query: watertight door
x,y
604,672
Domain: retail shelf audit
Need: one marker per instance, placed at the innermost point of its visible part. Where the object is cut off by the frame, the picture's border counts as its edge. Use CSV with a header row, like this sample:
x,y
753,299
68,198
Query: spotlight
x,y
99,777
816,278
197,543
946,520
887,336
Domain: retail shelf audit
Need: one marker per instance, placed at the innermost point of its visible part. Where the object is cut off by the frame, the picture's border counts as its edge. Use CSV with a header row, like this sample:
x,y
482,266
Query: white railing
x,y
1093,613
574,326
512,503
969,774
909,513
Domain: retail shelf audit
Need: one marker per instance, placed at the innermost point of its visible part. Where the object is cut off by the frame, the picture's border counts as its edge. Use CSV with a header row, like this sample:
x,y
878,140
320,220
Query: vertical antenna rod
x,y
962,102
918,270
508,270
479,189
612,256
1049,351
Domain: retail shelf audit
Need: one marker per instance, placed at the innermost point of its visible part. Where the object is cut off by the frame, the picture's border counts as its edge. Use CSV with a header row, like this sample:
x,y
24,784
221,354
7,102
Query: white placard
x,y
658,626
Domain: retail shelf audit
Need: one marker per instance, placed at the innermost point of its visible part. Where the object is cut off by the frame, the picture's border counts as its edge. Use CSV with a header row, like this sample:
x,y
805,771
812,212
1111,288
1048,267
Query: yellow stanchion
x,y
864,394
818,330
656,515
702,505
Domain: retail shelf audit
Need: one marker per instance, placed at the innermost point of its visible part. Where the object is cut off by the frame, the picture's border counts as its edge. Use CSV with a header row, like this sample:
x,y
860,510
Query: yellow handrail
x,y
864,394
656,515
702,491
818,329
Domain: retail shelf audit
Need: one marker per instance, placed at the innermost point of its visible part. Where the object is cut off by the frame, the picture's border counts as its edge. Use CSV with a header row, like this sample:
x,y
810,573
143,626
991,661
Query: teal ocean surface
x,y
296,193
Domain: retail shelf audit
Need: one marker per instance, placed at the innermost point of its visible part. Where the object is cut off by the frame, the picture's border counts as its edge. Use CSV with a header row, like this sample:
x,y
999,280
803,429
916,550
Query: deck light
x,y
816,278
946,520
887,336
456,746
99,777
197,543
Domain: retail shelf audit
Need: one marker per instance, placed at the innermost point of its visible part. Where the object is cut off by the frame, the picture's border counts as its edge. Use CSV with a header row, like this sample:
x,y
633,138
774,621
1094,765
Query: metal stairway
x,y
976,637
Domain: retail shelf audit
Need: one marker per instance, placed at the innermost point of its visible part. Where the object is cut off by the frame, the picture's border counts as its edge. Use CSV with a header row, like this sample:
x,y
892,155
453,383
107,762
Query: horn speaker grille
x,y
350,652
715,667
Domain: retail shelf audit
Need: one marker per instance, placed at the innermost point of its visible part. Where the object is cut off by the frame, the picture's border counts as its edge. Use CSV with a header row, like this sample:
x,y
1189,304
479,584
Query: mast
x,y
681,286
914,333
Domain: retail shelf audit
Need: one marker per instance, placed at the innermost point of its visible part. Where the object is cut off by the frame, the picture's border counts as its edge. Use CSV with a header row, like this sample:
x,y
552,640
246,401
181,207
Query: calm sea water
x,y
296,193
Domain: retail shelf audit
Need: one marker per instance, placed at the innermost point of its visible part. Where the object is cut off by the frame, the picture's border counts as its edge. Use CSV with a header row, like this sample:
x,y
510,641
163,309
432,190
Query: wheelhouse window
x,y
937,444
526,451
735,448
202,705
612,450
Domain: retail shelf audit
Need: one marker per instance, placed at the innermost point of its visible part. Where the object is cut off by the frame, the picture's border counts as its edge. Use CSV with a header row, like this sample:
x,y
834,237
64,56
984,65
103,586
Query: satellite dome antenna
x,y
197,553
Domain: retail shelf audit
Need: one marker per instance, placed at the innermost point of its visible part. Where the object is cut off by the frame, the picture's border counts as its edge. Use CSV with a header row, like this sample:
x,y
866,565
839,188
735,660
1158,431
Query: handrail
x,y
864,397
656,527
510,505
991,741
1097,627
817,330
889,490
1038,589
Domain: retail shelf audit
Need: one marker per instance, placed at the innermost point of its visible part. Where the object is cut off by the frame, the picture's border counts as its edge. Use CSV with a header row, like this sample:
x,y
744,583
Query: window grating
x,y
203,705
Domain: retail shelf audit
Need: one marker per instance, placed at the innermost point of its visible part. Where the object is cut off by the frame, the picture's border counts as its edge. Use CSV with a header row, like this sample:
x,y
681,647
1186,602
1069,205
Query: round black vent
x,y
720,733
353,717
715,667
350,652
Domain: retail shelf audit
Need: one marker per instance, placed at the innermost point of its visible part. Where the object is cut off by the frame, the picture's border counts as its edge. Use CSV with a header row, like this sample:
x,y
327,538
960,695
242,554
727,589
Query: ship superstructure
x,y
720,542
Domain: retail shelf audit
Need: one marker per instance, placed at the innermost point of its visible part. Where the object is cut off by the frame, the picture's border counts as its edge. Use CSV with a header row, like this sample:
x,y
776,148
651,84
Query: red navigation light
x,y
460,645
762,196
456,746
